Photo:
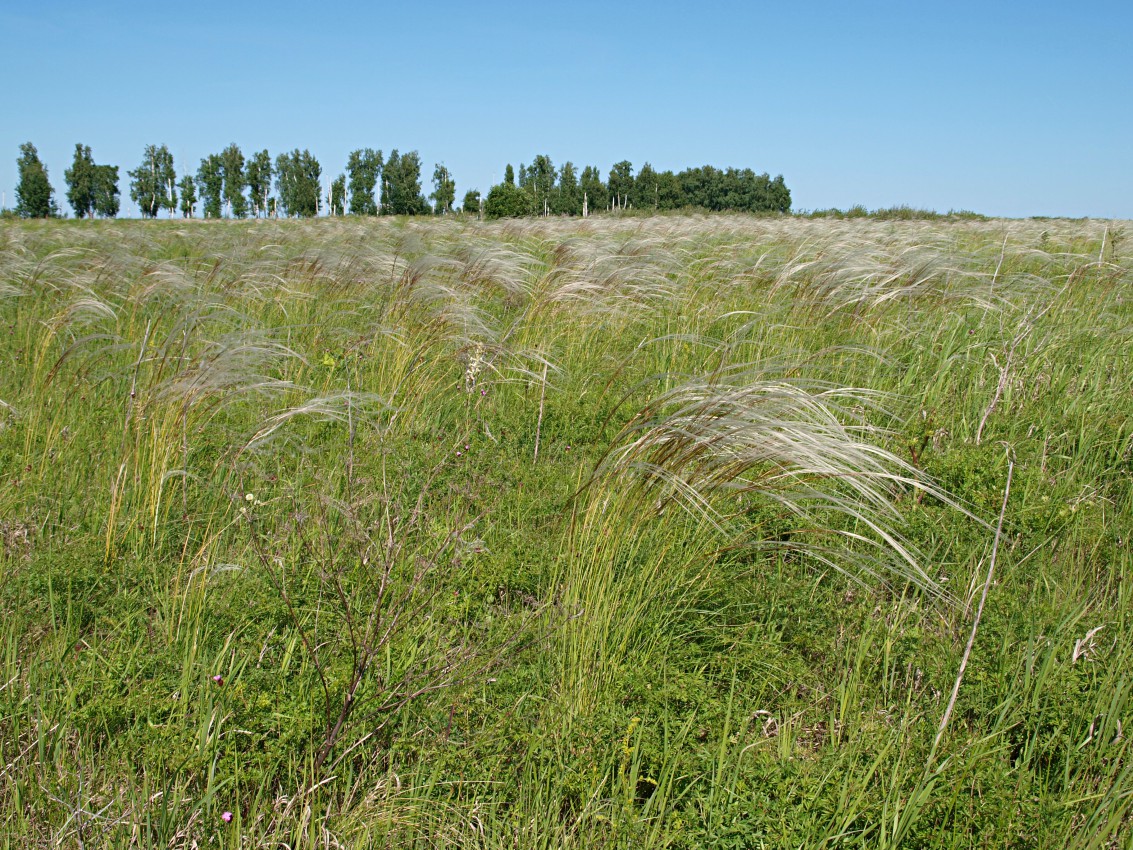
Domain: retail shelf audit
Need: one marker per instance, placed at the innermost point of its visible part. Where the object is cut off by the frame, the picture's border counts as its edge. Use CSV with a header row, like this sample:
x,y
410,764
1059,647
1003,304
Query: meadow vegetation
x,y
616,532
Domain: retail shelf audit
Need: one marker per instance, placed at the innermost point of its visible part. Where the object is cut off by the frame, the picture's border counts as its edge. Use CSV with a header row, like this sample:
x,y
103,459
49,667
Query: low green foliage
x,y
621,532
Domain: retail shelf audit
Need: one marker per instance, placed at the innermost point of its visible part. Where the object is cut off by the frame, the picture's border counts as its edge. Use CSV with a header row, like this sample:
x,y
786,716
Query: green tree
x,y
702,187
567,198
80,182
188,189
646,191
210,179
106,196
337,199
669,195
506,200
620,184
594,193
390,175
33,192
739,190
152,184
258,176
471,202
232,170
401,185
297,181
364,168
444,189
780,195
539,179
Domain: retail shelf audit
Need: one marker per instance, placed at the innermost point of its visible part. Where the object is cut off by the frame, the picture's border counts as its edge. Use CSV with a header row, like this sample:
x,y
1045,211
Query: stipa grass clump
x,y
662,532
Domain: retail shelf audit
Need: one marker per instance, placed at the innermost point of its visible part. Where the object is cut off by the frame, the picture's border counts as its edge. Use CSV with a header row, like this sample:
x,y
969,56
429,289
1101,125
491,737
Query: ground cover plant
x,y
619,532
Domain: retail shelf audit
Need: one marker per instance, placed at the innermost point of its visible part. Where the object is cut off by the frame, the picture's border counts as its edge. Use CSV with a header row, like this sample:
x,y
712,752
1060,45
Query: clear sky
x,y
1005,108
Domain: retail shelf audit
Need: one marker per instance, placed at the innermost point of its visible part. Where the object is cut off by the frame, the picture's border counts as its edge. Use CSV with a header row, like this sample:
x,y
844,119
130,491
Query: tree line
x,y
231,185
541,189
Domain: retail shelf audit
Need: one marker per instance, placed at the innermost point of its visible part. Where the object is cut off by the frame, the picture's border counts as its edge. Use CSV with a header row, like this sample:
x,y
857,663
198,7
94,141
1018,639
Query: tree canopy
x,y
80,179
153,183
539,180
620,184
234,180
401,185
593,190
506,200
363,169
297,181
106,195
258,175
444,190
567,197
336,198
210,180
33,192
188,187
566,193
471,202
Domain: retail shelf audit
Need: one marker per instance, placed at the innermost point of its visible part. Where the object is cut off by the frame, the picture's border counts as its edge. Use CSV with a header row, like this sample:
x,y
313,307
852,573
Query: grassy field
x,y
678,532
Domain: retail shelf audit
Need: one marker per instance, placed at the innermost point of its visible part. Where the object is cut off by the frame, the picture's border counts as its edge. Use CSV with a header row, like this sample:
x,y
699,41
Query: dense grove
x,y
610,532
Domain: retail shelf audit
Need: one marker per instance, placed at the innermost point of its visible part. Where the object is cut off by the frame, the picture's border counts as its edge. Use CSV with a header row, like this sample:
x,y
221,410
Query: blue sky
x,y
1004,108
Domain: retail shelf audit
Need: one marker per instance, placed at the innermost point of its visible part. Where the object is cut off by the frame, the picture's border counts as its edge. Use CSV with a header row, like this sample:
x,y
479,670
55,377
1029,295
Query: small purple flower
x,y
467,447
483,392
226,817
218,679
